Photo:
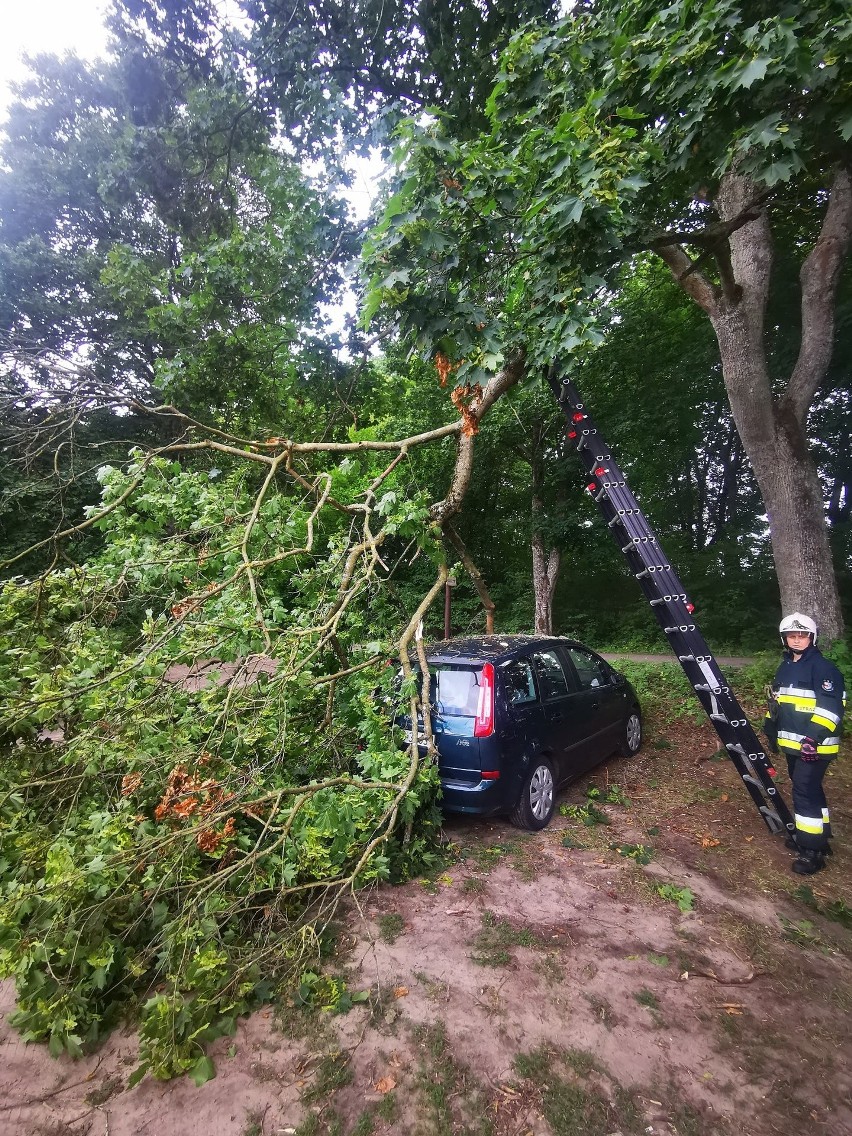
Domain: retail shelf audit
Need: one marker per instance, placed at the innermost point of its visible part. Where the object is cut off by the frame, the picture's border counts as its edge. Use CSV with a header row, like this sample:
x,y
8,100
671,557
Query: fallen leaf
x,y
455,911
708,841
725,797
385,1085
400,991
684,977
749,839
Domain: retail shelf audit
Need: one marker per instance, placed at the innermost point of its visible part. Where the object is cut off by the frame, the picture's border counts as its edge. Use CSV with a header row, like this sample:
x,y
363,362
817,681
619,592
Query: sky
x,y
55,26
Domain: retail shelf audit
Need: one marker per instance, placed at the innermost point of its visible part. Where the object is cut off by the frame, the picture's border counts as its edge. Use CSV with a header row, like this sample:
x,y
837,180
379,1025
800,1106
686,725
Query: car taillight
x,y
484,724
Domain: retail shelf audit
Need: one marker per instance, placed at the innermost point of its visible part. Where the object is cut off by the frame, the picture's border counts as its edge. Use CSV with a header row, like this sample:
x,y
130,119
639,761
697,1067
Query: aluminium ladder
x,y
674,612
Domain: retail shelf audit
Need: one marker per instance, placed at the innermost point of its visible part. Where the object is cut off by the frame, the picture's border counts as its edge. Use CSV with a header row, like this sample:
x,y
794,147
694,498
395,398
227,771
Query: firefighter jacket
x,y
809,700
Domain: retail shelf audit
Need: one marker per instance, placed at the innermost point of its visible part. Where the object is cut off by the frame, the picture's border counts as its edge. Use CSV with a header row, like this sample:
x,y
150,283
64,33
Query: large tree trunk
x,y
775,442
545,575
772,426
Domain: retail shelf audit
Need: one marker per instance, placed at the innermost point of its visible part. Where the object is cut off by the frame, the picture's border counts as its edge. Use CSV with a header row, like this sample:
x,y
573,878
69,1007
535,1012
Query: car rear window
x,y
456,691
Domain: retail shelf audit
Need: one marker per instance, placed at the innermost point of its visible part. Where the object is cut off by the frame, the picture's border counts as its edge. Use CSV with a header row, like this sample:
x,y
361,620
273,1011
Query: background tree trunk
x,y
545,575
772,426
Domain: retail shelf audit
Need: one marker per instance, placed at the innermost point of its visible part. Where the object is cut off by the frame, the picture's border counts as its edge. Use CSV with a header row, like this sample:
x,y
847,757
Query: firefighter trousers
x,y
813,825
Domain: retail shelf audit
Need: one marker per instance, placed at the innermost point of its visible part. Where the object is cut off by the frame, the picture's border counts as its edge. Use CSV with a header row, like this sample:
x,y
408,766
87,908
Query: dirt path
x,y
551,984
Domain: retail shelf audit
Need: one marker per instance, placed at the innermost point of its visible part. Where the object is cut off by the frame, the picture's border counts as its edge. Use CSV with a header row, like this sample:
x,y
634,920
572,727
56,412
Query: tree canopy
x,y
701,133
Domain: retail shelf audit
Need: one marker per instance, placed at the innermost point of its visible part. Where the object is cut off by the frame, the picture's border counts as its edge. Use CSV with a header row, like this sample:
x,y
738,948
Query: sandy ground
x,y
534,988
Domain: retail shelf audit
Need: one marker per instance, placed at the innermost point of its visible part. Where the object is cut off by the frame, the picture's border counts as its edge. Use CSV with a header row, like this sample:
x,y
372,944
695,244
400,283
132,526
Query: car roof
x,y
490,648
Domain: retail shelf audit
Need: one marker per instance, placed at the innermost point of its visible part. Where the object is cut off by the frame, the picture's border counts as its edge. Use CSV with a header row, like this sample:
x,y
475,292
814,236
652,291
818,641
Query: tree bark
x,y
772,427
545,575
545,563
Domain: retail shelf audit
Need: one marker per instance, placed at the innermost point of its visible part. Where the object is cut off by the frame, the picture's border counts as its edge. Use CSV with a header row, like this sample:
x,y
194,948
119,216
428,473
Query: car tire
x,y
537,801
631,741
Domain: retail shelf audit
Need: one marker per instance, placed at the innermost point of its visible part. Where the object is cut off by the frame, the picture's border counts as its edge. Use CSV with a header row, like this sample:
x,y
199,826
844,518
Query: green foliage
x,y
588,814
325,992
683,897
599,137
174,839
663,689
641,853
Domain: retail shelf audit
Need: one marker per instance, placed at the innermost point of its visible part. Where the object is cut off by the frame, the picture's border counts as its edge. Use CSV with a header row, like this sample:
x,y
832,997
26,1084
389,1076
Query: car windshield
x,y
455,691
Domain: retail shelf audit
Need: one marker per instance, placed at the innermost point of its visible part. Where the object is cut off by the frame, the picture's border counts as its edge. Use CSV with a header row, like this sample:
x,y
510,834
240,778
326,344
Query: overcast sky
x,y
56,26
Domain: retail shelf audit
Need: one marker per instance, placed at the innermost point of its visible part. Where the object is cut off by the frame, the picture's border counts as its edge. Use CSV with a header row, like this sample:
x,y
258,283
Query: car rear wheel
x,y
632,736
535,805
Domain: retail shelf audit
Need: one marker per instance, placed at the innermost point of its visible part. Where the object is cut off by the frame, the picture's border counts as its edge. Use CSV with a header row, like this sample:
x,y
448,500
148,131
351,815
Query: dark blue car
x,y
516,716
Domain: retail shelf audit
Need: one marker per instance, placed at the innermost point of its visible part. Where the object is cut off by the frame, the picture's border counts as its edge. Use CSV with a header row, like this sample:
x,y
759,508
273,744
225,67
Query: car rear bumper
x,y
482,798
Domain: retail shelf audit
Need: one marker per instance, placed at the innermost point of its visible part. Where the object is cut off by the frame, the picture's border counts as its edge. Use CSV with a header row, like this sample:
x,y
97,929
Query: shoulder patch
x,y
827,684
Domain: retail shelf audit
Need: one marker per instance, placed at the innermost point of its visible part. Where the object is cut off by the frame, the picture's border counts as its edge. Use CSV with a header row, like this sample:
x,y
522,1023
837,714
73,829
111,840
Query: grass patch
x,y
647,998
837,910
493,945
491,855
391,927
321,1124
453,1099
473,885
332,1073
602,1010
800,931
574,1100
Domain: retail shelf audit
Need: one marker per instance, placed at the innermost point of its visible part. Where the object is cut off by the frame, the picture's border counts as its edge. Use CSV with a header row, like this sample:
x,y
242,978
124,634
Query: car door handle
x,y
554,715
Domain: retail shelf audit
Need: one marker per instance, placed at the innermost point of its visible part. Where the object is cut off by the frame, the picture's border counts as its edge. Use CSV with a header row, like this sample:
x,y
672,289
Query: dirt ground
x,y
657,974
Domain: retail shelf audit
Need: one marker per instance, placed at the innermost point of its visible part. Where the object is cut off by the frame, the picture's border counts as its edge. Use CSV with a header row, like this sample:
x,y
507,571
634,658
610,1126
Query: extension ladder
x,y
674,612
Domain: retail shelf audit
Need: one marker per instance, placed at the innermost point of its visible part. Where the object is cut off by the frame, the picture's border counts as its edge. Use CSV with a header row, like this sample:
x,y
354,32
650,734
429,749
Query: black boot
x,y
790,843
809,862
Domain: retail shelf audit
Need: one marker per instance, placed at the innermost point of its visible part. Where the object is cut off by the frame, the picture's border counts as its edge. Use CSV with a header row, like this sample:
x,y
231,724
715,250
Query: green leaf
x,y
753,71
203,1070
137,1075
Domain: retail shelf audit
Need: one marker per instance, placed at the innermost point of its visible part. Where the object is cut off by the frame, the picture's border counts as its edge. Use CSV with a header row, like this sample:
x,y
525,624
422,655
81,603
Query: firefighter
x,y
803,721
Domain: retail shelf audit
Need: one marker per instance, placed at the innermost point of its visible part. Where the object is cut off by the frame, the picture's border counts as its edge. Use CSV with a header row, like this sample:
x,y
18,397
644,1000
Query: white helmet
x,y
798,622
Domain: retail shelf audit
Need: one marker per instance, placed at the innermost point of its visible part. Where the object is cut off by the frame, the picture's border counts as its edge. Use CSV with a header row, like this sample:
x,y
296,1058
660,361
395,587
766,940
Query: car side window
x,y
590,671
551,676
520,687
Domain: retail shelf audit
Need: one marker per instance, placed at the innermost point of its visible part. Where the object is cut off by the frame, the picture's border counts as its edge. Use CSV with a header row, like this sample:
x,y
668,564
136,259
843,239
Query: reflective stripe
x,y
812,825
825,818
823,717
796,700
797,691
787,740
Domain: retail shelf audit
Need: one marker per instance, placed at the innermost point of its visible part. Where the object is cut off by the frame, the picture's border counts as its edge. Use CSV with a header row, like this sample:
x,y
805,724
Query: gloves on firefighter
x,y
808,751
